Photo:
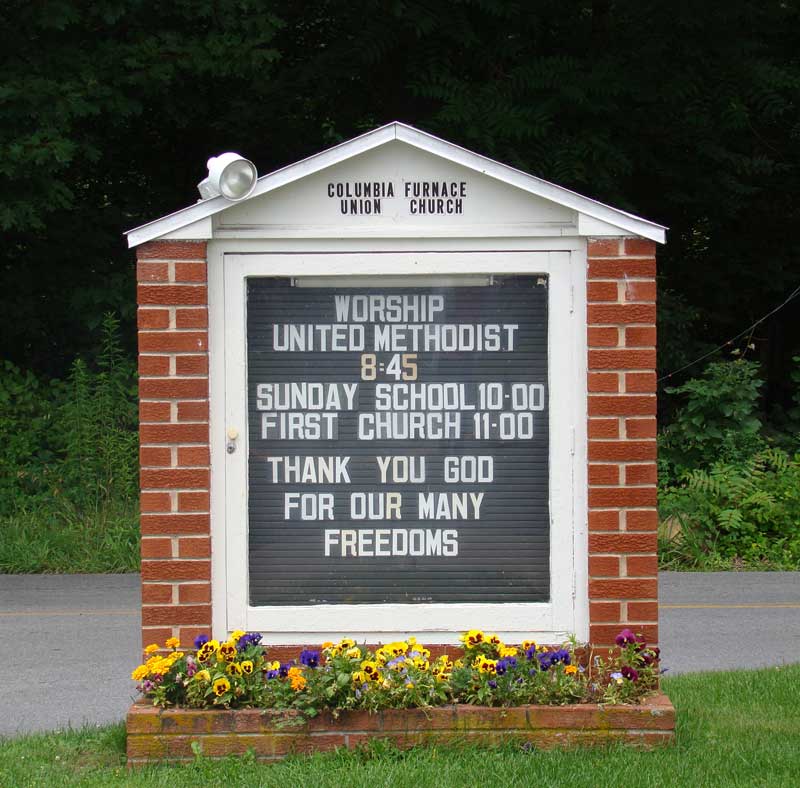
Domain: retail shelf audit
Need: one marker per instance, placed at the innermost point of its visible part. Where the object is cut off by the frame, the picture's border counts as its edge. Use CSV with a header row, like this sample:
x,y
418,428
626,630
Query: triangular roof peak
x,y
605,215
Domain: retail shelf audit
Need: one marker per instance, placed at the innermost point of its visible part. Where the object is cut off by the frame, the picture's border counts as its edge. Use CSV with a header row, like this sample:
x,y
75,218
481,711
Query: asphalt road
x,y
69,642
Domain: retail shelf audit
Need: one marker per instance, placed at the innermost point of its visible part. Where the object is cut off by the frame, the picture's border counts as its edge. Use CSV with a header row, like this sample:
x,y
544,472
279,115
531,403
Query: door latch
x,y
233,434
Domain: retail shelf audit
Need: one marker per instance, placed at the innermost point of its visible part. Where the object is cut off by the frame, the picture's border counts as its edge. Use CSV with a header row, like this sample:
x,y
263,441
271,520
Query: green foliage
x,y
64,539
97,427
26,416
69,465
71,442
398,675
718,420
734,513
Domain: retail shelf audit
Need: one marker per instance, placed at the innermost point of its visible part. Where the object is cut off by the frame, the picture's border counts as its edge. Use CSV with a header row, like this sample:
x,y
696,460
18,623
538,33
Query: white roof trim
x,y
627,222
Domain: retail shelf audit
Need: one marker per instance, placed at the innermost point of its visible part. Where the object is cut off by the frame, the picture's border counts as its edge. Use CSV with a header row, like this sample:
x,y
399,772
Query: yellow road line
x,y
56,613
756,606
131,612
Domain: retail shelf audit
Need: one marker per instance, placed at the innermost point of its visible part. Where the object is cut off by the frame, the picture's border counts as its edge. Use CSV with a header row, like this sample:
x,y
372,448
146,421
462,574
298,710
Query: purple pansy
x,y
250,639
504,664
309,657
626,638
545,660
201,640
629,673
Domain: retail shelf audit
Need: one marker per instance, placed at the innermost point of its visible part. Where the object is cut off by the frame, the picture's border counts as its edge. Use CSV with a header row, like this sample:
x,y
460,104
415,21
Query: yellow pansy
x,y
346,643
207,650
360,677
472,638
526,644
221,686
354,652
234,669
494,640
202,675
235,635
507,651
371,669
226,651
485,665
397,648
247,667
443,663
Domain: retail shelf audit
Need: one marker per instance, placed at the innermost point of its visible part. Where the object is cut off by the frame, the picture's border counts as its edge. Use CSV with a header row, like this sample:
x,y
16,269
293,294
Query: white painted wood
x,y
399,231
487,203
588,226
216,344
423,143
381,246
566,613
200,230
580,444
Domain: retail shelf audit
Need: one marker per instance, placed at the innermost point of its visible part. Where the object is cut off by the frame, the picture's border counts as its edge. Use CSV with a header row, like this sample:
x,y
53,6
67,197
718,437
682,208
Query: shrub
x,y
717,422
69,466
747,511
26,416
70,442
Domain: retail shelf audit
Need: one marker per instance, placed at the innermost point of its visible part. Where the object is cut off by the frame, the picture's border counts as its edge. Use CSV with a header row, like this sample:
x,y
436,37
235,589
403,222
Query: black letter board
x,y
398,443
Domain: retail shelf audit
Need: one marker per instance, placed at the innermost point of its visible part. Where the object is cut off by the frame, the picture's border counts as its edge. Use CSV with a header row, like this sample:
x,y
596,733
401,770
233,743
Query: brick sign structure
x,y
400,389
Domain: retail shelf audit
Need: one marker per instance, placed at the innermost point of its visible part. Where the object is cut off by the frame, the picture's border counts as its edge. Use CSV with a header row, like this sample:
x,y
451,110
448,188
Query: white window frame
x,y
567,611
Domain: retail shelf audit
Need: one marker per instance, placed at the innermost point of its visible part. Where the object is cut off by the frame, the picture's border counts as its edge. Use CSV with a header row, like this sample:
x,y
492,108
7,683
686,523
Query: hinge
x,y
572,441
571,299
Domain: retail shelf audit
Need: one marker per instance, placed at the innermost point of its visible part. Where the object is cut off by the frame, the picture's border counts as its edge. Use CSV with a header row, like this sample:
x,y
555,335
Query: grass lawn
x,y
737,728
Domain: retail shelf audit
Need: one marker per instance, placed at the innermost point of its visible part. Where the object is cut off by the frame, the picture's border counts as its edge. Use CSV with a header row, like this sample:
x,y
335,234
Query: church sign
x,y
398,442
398,388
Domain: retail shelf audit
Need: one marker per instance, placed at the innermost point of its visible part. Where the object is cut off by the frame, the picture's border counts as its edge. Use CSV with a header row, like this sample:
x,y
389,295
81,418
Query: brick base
x,y
167,734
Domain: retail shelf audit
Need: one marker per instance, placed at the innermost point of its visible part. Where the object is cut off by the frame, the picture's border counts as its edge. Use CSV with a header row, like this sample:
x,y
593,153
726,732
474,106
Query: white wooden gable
x,y
397,181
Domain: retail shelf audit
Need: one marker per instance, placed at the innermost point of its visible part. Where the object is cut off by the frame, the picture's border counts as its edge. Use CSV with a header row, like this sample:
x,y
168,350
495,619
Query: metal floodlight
x,y
230,175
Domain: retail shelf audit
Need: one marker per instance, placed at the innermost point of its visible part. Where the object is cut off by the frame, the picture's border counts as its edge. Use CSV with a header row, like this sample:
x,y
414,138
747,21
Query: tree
x,y
685,113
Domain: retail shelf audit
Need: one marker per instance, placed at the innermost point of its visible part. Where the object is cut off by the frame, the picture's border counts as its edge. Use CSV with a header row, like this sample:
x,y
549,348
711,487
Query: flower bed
x,y
230,697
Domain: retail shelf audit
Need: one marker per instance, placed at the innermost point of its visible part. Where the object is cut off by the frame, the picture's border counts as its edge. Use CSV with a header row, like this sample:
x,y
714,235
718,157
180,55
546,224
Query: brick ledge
x,y
168,734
